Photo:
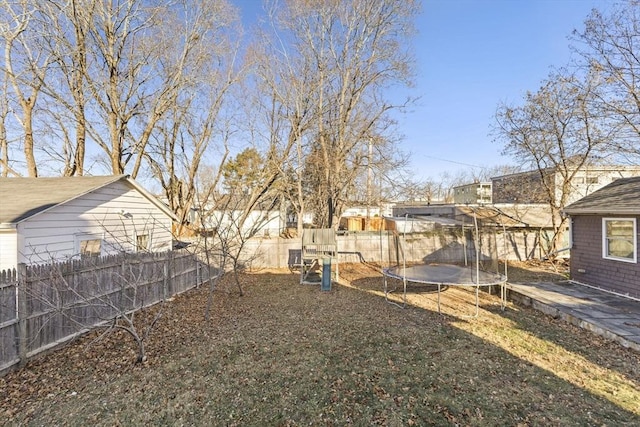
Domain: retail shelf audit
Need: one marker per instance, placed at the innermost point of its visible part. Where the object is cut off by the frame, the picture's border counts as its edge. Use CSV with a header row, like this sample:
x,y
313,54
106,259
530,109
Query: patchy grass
x,y
289,354
538,271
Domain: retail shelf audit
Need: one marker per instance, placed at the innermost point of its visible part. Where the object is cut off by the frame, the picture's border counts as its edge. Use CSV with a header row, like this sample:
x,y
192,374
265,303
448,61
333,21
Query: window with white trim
x,y
89,245
143,242
619,239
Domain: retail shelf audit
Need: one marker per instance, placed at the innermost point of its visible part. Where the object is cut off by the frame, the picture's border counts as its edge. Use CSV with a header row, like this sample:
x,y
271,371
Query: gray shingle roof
x,y
21,198
621,197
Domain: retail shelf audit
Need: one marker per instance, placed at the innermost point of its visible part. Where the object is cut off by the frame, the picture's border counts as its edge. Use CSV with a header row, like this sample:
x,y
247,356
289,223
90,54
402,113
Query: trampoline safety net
x,y
439,251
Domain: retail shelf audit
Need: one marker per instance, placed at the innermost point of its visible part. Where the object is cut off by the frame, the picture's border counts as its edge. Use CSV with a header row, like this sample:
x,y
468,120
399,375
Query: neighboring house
x,y
263,221
527,187
478,193
364,218
260,222
384,209
53,219
605,238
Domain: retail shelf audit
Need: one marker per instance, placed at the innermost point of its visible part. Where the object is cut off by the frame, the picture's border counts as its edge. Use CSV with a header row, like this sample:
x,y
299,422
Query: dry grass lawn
x,y
289,354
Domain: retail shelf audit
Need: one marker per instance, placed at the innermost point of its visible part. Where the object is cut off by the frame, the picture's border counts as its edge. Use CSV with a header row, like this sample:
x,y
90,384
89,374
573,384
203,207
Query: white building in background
x,y
259,223
373,211
477,193
56,219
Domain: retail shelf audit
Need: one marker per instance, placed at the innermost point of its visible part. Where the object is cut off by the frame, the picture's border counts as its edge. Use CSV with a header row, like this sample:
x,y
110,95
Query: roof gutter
x,y
585,211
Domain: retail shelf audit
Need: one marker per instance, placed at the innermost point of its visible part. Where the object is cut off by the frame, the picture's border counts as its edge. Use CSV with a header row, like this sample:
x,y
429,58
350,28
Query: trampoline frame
x,y
502,279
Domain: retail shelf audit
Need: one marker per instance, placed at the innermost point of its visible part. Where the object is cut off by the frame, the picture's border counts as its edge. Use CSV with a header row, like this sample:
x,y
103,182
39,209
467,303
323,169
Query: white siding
x,y
258,223
587,181
116,212
8,249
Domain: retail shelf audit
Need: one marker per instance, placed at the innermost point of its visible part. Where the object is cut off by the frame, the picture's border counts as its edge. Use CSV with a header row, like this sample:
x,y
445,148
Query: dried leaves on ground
x,y
289,354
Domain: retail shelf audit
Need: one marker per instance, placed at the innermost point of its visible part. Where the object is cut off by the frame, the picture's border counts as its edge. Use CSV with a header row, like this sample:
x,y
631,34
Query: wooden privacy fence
x,y
42,306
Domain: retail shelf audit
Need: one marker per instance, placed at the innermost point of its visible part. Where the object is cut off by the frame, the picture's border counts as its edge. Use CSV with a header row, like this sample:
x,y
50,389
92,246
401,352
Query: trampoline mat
x,y
449,274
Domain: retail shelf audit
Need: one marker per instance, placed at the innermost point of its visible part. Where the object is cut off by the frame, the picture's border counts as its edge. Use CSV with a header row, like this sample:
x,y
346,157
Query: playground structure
x,y
319,250
444,253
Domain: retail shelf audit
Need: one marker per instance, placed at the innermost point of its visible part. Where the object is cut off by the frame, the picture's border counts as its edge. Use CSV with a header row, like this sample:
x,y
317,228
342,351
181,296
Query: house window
x,y
142,243
89,247
592,180
619,239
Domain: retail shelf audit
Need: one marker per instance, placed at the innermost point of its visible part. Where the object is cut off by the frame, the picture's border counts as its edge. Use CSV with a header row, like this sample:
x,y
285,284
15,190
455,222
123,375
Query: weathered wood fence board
x,y
45,305
8,319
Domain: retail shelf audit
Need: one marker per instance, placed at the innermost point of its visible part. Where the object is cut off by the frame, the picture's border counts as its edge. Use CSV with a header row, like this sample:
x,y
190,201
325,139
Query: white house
x,y
54,219
259,223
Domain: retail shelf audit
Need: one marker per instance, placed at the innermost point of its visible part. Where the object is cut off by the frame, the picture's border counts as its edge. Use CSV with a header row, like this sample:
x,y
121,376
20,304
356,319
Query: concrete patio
x,y
609,315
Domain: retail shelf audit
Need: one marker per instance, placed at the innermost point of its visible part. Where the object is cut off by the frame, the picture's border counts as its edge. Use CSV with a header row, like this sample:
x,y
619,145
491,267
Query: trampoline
x,y
460,254
442,275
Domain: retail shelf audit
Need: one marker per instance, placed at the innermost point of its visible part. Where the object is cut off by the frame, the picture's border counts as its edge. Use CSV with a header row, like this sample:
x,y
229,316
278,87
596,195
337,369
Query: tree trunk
x,y
81,132
32,168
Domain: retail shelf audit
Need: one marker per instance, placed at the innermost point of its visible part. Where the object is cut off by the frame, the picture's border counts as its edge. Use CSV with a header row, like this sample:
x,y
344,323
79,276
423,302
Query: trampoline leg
x,y
477,301
477,313
385,289
404,296
389,300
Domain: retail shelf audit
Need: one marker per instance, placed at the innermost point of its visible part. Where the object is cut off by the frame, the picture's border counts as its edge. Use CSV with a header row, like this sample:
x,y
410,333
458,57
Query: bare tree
x,y
236,204
200,120
66,42
251,195
609,49
282,112
74,306
553,132
143,56
230,229
5,162
348,52
110,72
176,154
196,44
25,65
121,54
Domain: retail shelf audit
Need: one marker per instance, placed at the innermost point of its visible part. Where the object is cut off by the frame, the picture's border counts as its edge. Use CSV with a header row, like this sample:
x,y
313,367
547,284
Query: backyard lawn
x,y
289,354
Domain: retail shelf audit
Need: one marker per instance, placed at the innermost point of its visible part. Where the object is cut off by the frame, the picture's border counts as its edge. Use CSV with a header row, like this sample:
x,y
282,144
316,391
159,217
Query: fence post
x,y
198,274
165,280
22,313
123,281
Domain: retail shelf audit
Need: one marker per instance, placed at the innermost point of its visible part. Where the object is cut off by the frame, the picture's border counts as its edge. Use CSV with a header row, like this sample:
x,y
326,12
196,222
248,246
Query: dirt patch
x,y
289,354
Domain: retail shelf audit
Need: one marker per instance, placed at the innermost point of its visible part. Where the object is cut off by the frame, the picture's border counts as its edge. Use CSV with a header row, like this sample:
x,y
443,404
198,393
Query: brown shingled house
x,y
605,238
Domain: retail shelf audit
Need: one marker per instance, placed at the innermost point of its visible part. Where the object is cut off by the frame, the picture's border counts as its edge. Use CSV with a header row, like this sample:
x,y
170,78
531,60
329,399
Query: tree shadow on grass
x,y
590,348
570,338
529,340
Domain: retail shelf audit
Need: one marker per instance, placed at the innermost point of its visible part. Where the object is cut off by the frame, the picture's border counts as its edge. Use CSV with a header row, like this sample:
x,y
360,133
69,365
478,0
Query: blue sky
x,y
471,56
